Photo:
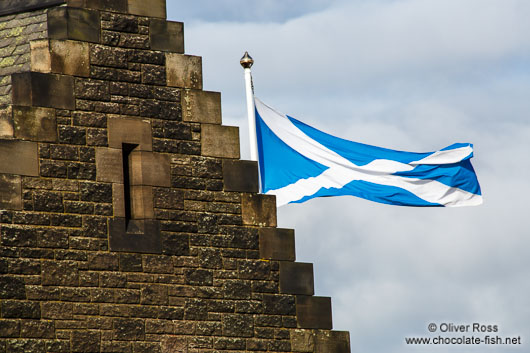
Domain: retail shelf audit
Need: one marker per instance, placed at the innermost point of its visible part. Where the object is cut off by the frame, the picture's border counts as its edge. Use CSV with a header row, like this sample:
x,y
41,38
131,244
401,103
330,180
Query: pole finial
x,y
246,61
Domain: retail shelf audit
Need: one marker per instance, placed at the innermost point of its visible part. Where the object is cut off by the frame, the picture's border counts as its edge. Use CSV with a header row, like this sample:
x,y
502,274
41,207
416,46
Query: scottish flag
x,y
298,162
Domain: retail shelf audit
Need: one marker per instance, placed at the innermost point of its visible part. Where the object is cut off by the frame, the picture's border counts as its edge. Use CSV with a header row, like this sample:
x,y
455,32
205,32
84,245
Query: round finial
x,y
246,61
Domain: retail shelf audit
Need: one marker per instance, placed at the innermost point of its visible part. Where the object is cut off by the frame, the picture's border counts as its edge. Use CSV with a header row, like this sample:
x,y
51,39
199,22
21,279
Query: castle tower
x,y
128,222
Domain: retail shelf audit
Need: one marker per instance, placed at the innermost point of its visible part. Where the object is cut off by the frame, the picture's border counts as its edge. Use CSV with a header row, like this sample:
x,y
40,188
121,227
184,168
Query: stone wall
x,y
128,222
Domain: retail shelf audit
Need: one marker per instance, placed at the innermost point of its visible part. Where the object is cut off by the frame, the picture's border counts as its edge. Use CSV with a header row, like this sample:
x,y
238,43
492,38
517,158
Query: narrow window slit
x,y
127,148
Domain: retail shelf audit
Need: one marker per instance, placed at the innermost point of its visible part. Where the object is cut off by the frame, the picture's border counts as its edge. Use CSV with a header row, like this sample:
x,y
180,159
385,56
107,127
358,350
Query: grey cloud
x,y
412,75
244,10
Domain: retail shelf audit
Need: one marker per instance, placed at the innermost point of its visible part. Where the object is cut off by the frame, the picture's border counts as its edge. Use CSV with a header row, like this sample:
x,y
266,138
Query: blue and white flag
x,y
298,162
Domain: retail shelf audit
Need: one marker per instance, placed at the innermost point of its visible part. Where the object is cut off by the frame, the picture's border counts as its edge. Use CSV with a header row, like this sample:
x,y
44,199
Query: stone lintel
x,y
240,176
43,90
219,141
201,107
130,130
313,312
277,244
258,210
296,278
19,157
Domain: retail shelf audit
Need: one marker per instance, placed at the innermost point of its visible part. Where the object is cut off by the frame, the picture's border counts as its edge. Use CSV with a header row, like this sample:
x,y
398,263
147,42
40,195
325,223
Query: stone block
x,y
37,329
40,56
16,6
35,124
74,23
279,305
172,344
107,5
302,341
137,236
148,168
103,262
237,289
102,55
199,277
25,345
131,131
154,295
60,273
219,141
65,57
166,35
18,236
184,71
96,192
12,288
43,90
85,341
10,192
332,342
6,123
258,210
129,329
201,107
313,312
168,198
296,278
19,158
57,310
109,165
96,90
131,262
142,202
236,325
9,328
20,309
277,244
240,176
152,8
254,269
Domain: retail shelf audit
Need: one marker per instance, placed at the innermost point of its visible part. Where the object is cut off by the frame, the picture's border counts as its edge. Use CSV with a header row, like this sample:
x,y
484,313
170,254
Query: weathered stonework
x,y
16,32
127,221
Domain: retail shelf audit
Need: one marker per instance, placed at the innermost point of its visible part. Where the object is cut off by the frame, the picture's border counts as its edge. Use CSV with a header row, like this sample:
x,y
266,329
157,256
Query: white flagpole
x,y
247,62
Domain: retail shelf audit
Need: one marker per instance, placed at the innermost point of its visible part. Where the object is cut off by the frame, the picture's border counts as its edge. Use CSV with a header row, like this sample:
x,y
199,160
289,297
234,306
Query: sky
x,y
413,75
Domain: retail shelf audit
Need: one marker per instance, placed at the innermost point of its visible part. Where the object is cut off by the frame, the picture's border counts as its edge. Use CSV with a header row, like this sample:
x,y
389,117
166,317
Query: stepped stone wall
x,y
128,223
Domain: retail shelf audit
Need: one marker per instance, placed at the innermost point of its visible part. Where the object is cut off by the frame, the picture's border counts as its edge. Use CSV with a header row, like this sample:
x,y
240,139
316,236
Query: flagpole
x,y
247,62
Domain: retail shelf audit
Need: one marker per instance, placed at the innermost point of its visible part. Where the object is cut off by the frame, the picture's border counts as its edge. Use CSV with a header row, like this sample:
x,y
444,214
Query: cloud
x,y
413,75
349,46
245,11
